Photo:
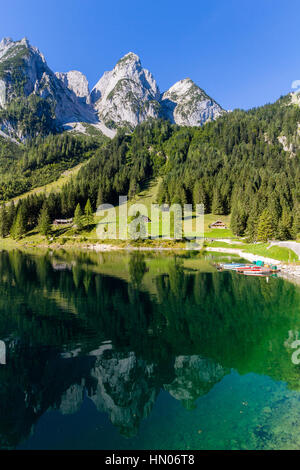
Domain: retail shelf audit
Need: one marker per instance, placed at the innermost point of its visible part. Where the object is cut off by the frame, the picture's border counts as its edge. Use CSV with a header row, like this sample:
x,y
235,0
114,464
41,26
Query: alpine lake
x,y
145,350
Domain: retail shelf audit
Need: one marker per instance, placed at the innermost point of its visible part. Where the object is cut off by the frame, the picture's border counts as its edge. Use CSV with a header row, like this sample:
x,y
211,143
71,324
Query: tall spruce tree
x,y
265,228
217,204
284,226
295,232
88,213
19,224
44,223
134,188
78,216
199,196
3,222
11,214
238,220
100,197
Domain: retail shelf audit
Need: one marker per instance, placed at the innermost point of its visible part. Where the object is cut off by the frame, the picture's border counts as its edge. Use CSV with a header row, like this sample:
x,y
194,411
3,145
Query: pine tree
x,y
274,208
251,229
78,222
284,226
133,188
100,197
44,223
265,228
199,196
88,213
295,232
11,214
19,224
182,195
161,193
3,222
238,220
217,204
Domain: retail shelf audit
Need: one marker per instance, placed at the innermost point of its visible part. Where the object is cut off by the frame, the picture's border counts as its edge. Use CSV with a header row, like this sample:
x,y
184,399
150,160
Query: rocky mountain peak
x,y
12,53
76,82
186,104
24,72
5,42
295,98
21,67
7,45
182,88
130,57
25,42
126,95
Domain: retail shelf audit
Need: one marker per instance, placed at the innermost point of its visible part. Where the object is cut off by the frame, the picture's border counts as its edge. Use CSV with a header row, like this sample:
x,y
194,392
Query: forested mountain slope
x,y
235,165
41,160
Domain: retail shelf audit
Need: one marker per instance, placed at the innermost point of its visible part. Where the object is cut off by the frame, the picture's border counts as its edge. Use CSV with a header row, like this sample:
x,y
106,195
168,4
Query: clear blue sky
x,y
243,53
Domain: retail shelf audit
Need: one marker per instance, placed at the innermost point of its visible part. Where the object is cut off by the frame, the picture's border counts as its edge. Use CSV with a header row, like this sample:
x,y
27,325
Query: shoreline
x,y
289,272
243,254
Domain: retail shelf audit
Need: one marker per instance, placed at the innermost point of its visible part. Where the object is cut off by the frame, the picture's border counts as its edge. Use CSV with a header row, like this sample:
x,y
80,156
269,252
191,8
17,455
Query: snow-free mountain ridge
x,y
123,97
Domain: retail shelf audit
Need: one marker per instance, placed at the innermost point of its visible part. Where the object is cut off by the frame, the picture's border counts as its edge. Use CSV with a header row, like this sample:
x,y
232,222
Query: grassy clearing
x,y
261,249
68,237
210,218
55,185
218,233
146,198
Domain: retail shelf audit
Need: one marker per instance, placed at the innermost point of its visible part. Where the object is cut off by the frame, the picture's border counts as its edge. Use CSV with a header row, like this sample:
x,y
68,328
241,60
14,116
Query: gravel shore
x,y
288,271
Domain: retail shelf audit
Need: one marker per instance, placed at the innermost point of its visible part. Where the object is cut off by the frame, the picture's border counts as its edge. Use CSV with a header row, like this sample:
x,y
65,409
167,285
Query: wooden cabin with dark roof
x,y
218,224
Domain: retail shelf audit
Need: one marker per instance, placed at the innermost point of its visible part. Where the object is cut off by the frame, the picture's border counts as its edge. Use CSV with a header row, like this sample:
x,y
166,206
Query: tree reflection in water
x,y
124,334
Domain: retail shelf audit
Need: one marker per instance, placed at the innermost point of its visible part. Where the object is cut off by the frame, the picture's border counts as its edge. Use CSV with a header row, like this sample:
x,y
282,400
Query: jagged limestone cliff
x,y
188,105
123,97
127,95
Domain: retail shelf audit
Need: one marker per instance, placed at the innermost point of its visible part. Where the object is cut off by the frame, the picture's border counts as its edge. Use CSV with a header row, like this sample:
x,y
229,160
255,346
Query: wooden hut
x,y
218,224
62,221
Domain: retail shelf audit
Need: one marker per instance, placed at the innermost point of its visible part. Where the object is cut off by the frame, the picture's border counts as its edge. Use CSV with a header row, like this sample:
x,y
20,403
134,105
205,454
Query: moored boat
x,y
249,268
255,273
258,268
232,266
255,270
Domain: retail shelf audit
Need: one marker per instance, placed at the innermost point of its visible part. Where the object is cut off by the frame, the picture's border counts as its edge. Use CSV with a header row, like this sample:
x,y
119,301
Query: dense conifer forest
x,y
236,164
41,160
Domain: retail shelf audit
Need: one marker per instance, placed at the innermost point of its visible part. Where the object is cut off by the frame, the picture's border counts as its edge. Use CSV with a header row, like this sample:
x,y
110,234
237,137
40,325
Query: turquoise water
x,y
120,351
